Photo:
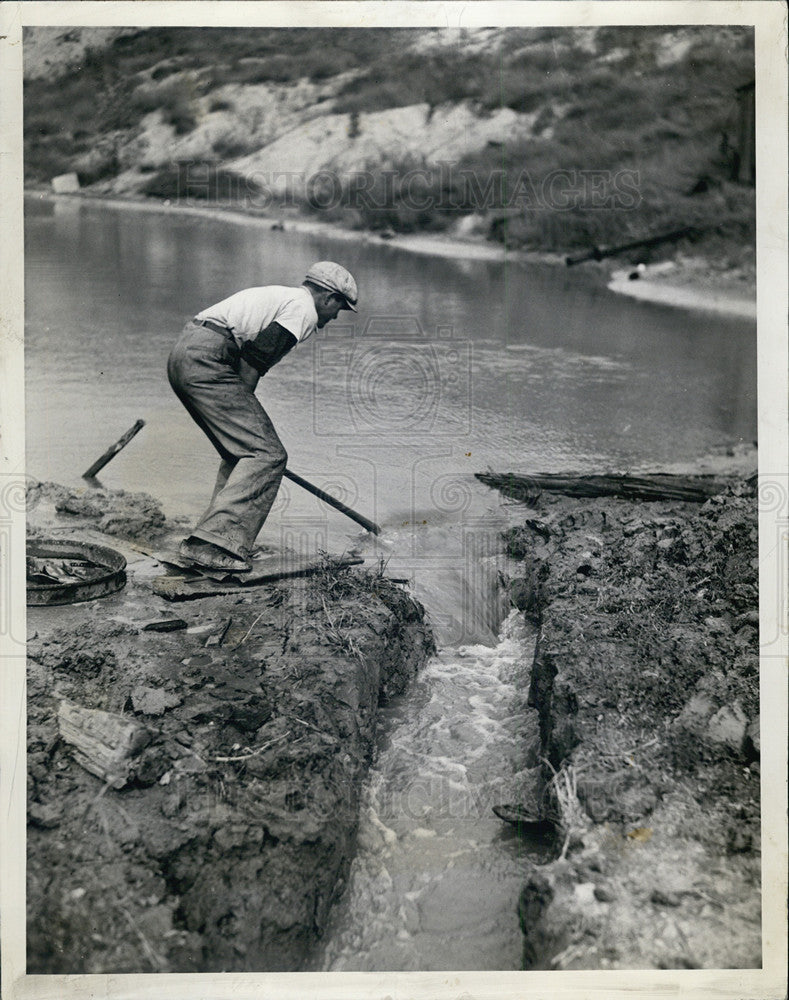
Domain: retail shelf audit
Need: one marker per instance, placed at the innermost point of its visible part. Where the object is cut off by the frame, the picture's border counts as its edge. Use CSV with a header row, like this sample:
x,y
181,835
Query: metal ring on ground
x,y
108,578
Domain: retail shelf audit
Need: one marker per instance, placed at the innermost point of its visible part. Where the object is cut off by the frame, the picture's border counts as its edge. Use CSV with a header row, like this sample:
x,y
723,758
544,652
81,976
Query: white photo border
x,y
768,17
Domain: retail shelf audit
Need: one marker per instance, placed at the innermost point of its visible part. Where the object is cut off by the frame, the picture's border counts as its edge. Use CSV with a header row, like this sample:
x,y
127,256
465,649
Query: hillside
x,y
547,139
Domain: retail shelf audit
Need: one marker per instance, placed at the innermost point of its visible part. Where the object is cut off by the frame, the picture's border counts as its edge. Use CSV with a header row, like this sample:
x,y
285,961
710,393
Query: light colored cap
x,y
333,276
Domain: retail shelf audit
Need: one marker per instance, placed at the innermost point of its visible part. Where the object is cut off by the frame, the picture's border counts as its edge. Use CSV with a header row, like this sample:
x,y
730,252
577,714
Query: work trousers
x,y
203,369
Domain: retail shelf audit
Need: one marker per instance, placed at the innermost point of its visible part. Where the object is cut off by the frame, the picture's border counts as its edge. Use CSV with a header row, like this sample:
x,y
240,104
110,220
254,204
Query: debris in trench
x,y
104,744
166,625
49,571
112,512
219,637
524,818
278,567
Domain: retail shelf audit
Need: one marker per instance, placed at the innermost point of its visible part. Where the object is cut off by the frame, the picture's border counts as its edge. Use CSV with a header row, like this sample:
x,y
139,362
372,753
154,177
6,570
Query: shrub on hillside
x,y
173,99
414,78
326,63
227,147
202,181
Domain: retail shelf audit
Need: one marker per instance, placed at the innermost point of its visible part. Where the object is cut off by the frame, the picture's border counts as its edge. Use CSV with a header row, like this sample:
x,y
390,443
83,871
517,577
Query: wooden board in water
x,y
192,582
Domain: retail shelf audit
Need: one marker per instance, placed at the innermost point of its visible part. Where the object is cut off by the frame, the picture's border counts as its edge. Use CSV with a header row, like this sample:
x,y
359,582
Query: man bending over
x,y
214,369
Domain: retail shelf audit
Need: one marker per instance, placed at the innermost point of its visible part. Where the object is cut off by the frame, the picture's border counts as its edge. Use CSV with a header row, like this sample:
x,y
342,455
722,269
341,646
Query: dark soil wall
x,y
646,682
233,835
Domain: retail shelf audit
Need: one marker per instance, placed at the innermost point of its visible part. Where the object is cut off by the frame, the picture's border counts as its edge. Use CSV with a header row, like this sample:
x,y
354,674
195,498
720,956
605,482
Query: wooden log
x,y
660,486
110,453
651,241
104,744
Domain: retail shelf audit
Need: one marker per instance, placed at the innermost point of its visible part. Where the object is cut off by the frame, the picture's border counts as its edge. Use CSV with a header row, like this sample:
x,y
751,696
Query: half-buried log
x,y
104,744
660,486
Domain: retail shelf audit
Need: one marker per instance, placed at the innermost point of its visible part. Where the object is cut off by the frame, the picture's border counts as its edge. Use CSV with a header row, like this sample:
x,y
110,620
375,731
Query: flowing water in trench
x,y
436,880
435,883
451,367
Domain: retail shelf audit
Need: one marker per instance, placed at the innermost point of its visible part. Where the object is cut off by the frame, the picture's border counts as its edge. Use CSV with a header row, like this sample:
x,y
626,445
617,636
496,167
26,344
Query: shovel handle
x,y
327,498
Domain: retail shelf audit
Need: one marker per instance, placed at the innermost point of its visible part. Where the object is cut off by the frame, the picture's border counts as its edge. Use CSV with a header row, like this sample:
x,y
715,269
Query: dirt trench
x,y
646,680
235,822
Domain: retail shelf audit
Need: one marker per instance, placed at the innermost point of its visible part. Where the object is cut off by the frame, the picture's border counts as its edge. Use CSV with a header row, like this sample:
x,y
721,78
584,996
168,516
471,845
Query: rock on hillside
x,y
231,121
398,136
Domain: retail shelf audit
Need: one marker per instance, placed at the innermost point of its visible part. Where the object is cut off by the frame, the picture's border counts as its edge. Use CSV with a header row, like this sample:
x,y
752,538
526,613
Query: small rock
x,y
695,714
65,183
153,701
44,816
739,841
585,894
660,898
728,727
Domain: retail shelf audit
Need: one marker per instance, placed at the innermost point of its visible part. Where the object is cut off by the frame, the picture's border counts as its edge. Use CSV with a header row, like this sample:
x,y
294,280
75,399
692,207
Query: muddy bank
x,y
691,283
646,680
111,512
229,832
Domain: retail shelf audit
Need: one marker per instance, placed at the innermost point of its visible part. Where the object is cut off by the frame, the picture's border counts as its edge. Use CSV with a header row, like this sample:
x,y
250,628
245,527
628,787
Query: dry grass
x,y
569,814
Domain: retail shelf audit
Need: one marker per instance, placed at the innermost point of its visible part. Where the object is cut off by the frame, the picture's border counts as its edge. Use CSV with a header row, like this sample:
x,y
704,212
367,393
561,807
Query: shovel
x,y
327,498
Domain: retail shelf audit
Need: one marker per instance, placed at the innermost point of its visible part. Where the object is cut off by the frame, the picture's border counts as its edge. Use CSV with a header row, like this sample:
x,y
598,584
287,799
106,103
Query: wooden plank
x,y
660,486
111,452
271,568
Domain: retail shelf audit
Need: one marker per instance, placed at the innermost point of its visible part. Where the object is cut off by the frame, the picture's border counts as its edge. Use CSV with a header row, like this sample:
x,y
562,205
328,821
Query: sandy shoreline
x,y
665,292
676,293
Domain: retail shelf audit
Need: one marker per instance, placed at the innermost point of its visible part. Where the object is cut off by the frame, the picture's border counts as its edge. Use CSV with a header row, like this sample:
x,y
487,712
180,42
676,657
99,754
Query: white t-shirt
x,y
248,312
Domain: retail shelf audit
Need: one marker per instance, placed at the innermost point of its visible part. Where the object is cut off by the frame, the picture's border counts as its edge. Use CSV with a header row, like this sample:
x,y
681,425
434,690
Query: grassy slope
x,y
652,130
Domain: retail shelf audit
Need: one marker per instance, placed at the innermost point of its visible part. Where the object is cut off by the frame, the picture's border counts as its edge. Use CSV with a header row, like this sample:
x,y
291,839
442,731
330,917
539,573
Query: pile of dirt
x,y
228,834
112,512
646,683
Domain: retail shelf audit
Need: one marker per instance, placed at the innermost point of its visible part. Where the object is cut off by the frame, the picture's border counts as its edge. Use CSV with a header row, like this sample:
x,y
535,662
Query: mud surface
x,y
647,686
112,512
232,835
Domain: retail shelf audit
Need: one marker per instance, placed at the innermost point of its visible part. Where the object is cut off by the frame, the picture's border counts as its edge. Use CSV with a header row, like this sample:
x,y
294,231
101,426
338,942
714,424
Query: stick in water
x,y
113,451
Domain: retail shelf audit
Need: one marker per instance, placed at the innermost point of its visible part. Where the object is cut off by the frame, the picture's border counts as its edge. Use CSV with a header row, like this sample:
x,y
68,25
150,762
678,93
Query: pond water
x,y
450,367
